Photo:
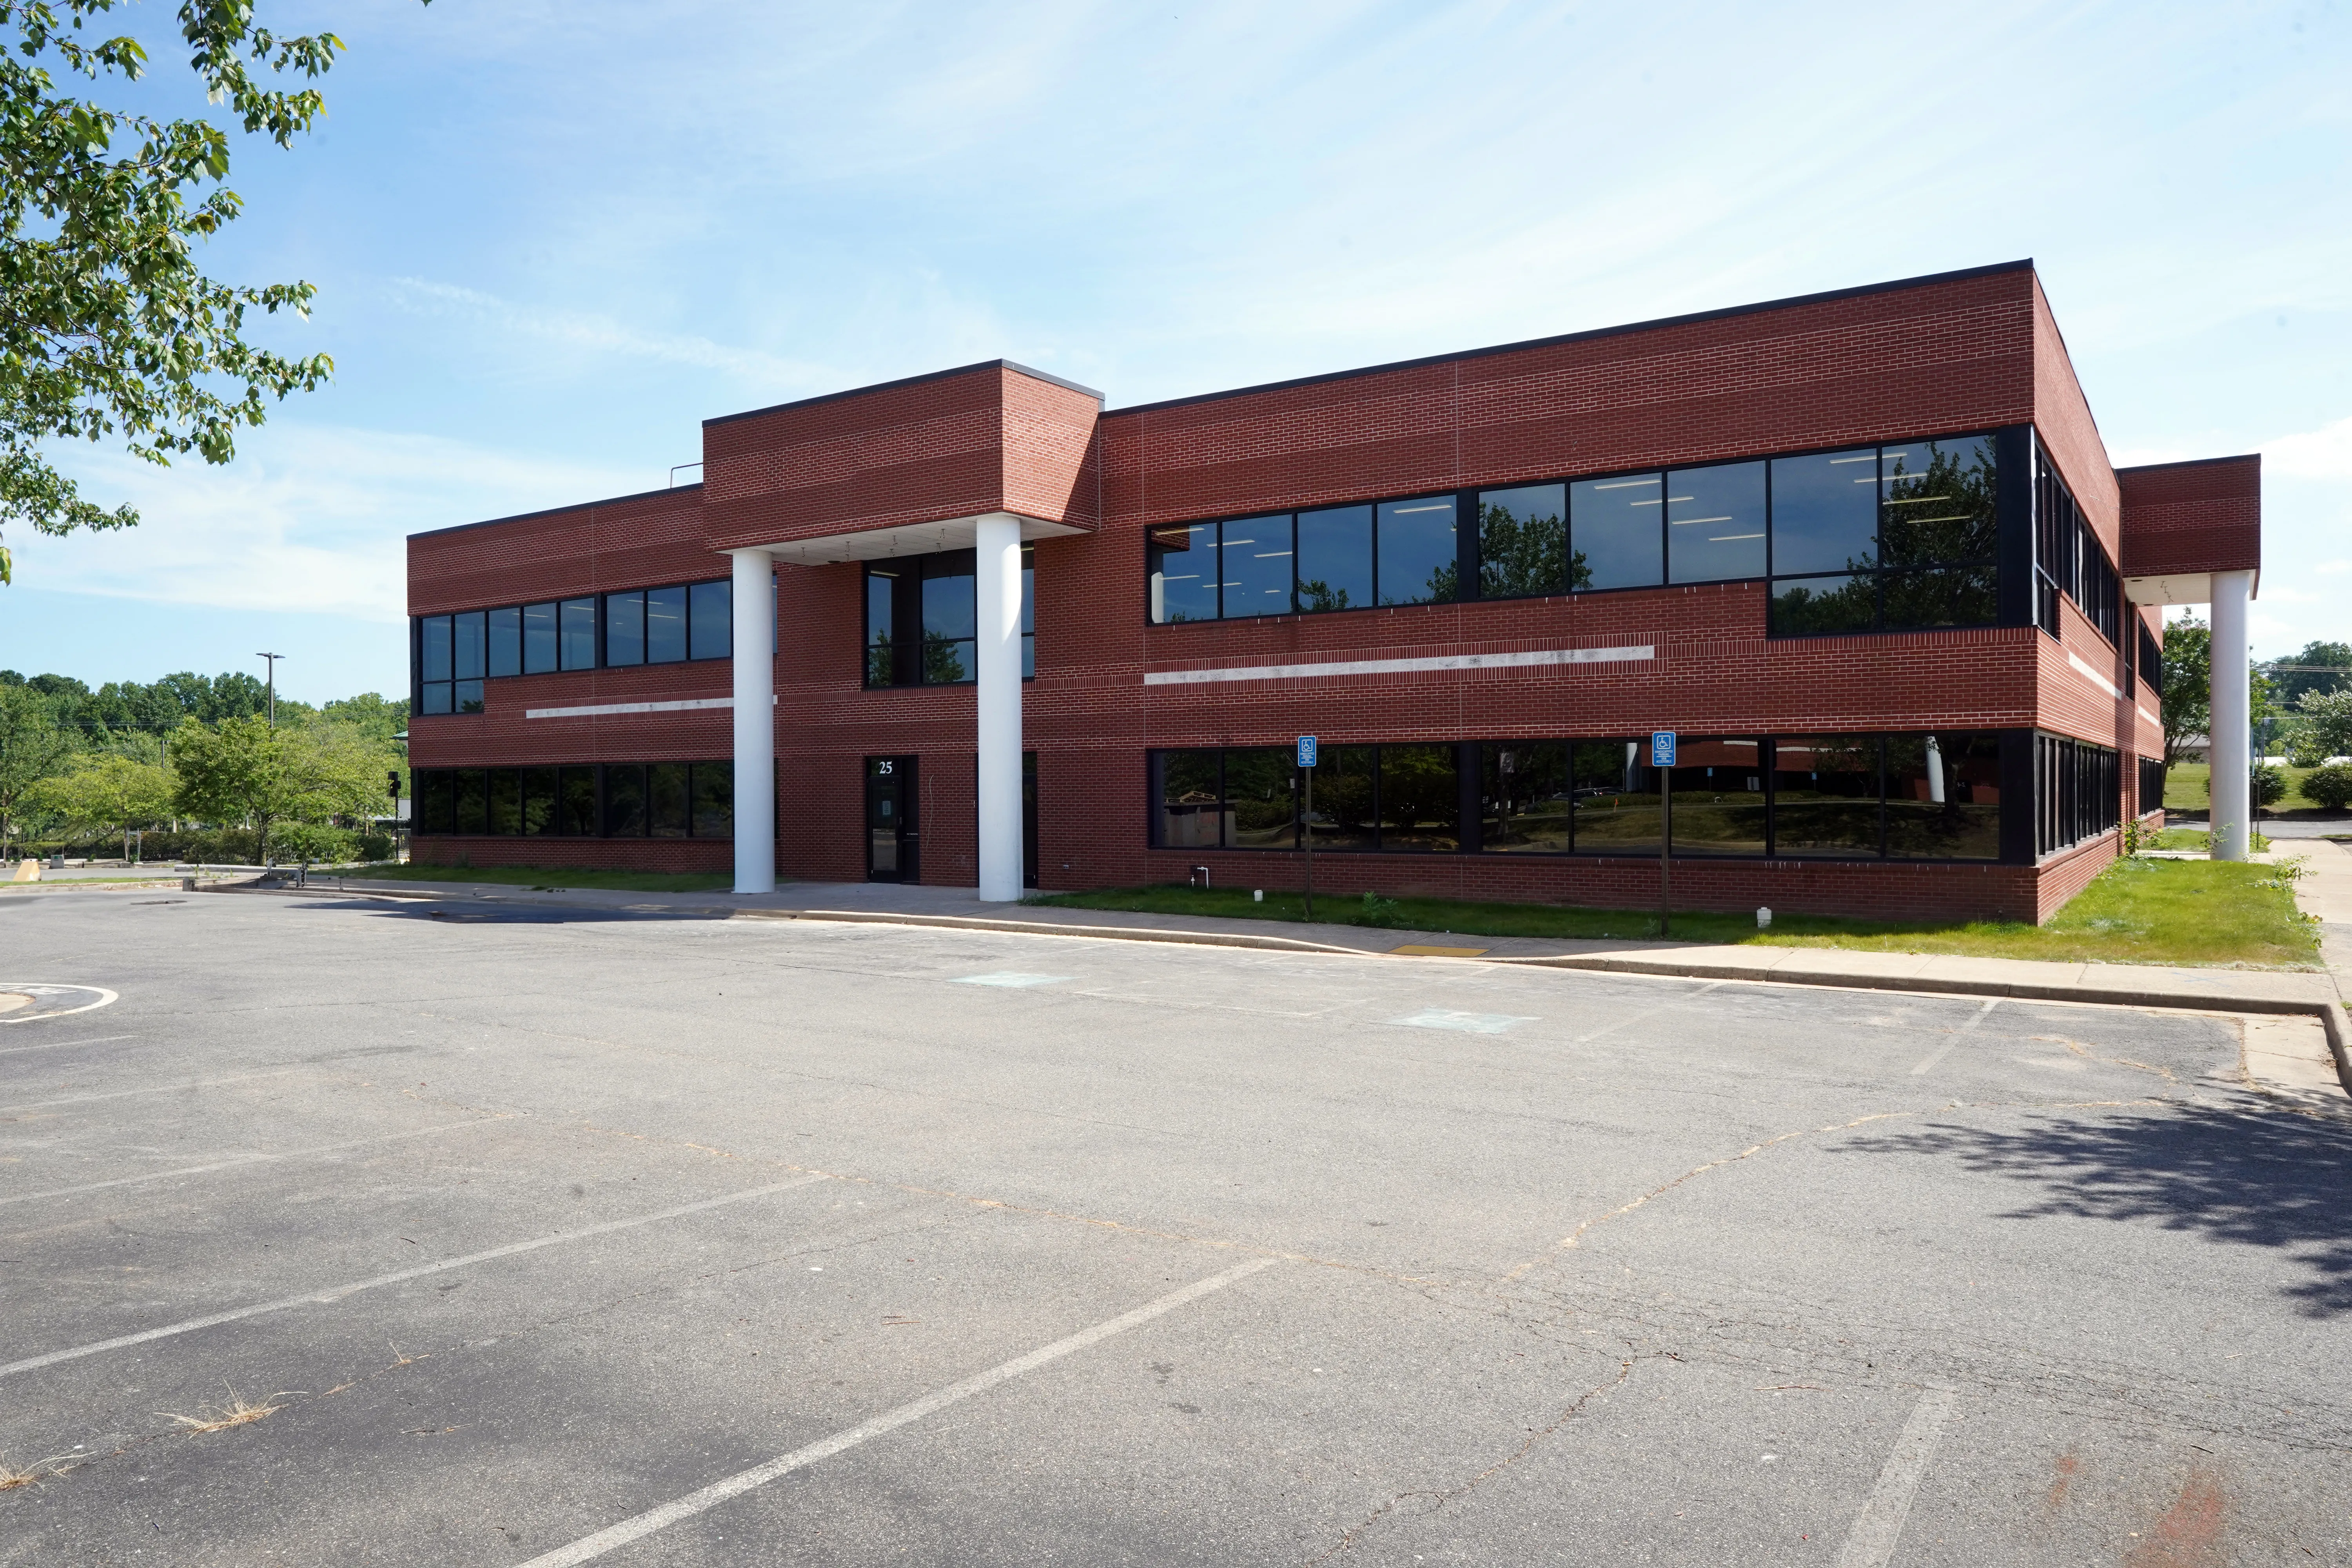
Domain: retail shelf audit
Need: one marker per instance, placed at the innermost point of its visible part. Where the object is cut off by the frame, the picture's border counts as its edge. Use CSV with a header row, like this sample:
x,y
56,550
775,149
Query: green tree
x,y
33,745
2321,666
107,327
241,771
2188,699
2328,718
106,795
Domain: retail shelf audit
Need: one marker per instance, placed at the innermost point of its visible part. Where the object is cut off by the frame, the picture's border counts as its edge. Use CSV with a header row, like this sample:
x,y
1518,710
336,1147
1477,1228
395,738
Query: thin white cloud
x,y
599,335
2322,454
308,518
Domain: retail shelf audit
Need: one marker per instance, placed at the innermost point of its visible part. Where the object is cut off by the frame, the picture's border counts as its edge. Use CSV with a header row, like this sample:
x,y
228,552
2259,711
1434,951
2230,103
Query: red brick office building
x,y
1863,551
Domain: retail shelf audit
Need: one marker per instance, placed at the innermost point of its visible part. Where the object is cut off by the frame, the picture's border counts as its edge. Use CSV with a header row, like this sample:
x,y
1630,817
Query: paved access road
x,y
567,1237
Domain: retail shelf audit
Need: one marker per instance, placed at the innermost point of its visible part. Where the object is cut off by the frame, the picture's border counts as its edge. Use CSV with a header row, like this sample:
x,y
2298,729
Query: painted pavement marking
x,y
1871,1542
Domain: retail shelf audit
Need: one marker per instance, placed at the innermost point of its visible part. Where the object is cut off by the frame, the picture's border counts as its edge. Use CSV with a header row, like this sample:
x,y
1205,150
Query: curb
x,y
1044,928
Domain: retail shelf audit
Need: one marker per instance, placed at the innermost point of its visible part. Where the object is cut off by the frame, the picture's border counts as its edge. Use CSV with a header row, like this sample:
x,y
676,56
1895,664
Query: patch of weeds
x,y
11,1477
1386,914
237,1411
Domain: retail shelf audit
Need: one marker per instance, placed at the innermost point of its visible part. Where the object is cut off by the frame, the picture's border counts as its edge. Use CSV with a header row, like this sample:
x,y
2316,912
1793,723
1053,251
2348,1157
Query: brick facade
x,y
1960,354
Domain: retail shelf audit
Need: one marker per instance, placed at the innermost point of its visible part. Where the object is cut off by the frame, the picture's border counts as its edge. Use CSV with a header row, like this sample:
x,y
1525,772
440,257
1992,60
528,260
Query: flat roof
x,y
905,381
2026,265
551,510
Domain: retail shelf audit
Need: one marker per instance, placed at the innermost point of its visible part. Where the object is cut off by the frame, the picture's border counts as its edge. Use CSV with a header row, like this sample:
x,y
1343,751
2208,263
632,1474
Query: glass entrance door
x,y
891,835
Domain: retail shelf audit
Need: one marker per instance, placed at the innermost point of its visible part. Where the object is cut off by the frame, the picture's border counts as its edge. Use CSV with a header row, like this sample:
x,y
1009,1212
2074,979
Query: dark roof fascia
x,y
551,511
905,381
2190,463
1597,333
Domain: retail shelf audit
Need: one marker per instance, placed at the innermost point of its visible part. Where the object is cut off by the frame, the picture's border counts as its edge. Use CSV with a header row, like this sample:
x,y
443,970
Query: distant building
x,y
1864,551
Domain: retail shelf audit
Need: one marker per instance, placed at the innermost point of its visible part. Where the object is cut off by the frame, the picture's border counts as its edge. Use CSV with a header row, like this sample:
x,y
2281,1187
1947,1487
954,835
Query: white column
x,y
2231,740
754,615
997,545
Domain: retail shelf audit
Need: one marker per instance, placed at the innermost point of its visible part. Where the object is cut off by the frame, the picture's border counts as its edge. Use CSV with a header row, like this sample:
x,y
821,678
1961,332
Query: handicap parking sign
x,y
1305,750
1662,748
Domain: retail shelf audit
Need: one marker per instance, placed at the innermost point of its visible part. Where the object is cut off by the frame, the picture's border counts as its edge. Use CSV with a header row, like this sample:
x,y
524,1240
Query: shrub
x,y
2329,787
2269,785
377,846
310,841
2305,750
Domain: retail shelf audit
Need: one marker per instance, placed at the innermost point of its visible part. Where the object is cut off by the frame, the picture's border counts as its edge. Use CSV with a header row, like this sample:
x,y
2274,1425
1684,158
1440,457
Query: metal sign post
x,y
1662,759
1307,765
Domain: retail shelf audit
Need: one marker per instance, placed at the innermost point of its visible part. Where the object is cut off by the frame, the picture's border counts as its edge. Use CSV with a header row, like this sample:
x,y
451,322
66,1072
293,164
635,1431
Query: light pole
x,y
273,659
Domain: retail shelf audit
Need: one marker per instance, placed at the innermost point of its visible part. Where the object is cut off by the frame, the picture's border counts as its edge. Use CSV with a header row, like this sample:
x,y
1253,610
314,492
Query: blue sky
x,y
550,240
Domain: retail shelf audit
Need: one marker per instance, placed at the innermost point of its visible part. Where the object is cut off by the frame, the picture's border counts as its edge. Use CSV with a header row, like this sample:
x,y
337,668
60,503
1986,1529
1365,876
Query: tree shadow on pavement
x,y
2247,1178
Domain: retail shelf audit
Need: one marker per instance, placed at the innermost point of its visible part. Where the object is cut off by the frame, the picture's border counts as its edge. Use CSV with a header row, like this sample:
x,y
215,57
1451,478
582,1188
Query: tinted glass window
x,y
1715,523
1616,798
880,645
1719,798
1615,532
712,611
1825,795
1181,562
506,801
436,697
1522,541
1825,512
714,800
473,799
665,626
1943,797
1940,498
470,660
1028,614
539,800
1421,800
1345,797
575,809
951,611
578,623
506,641
1417,548
1191,806
624,628
537,638
1335,559
625,801
1524,795
1257,576
435,806
669,800
433,646
1819,607
1940,597
466,696
1261,798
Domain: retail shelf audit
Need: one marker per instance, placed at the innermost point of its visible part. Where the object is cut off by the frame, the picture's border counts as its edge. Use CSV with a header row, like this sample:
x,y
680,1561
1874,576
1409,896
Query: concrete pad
x,y
2290,1056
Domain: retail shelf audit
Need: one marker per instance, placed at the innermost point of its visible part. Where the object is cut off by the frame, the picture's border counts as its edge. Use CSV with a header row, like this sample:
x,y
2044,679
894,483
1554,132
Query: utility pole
x,y
273,659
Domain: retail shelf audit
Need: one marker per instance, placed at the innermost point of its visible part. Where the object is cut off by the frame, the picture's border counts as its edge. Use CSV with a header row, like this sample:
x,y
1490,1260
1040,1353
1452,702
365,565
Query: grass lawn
x,y
2138,911
2184,786
544,877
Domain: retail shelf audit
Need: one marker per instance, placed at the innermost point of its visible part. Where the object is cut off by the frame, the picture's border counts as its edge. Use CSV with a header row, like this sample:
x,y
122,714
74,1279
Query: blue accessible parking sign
x,y
1305,750
1662,748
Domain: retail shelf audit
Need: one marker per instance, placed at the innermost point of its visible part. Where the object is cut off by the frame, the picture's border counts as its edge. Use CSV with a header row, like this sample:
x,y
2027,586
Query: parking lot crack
x,y
1436,1498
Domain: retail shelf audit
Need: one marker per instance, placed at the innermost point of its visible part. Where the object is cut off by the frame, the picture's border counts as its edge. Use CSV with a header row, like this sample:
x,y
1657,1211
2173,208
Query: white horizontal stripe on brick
x,y
599,710
1401,665
2092,676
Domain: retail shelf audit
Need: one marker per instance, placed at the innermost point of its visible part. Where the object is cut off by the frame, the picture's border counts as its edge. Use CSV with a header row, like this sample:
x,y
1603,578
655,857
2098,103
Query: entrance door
x,y
892,837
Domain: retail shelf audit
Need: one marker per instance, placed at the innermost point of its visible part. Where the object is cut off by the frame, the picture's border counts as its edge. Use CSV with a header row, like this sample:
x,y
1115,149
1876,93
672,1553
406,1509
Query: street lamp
x,y
273,659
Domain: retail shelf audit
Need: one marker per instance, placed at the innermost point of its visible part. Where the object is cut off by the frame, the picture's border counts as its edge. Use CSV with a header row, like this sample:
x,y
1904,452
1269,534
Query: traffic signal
x,y
392,783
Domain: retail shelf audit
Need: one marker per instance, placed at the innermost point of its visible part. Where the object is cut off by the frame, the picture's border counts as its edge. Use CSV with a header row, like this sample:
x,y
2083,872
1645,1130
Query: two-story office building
x,y
1863,551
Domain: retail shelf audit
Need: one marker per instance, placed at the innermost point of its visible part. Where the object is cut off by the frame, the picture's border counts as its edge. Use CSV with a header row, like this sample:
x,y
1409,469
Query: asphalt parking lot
x,y
555,1237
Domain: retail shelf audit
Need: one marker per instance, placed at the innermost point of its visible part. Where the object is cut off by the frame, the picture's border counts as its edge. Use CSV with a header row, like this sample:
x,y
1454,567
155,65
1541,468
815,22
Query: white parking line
x,y
159,1089
1871,1542
337,1292
1468,1023
1940,1052
229,1161
60,1045
1010,978
593,1546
